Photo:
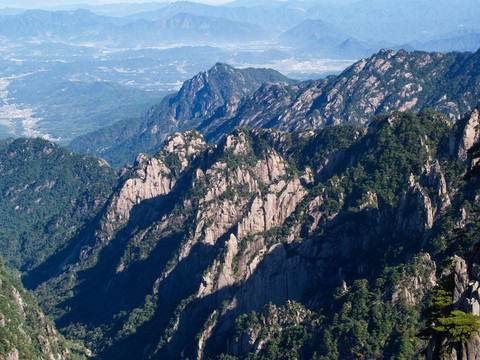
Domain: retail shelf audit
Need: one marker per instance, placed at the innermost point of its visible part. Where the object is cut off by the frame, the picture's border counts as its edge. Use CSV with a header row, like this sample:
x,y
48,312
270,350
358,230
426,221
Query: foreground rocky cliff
x,y
311,244
25,332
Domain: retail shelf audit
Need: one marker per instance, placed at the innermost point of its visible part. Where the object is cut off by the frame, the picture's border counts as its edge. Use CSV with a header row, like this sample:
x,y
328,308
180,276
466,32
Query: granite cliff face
x,y
197,237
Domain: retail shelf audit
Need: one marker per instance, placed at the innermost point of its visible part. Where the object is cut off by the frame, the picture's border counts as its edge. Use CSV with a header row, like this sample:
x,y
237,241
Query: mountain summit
x,y
217,101
197,100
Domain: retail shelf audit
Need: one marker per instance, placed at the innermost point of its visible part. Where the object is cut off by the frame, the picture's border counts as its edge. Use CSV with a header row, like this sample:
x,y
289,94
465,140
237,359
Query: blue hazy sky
x,y
47,3
213,2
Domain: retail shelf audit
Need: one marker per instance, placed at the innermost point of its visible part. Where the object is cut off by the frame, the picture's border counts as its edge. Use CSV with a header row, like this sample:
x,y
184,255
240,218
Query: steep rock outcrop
x,y
435,178
414,288
466,297
210,233
152,177
466,135
415,202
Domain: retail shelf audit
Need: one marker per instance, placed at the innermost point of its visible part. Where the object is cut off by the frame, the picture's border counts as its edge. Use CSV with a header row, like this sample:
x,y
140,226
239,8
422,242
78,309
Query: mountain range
x,y
397,21
401,23
384,82
328,219
140,52
201,245
83,26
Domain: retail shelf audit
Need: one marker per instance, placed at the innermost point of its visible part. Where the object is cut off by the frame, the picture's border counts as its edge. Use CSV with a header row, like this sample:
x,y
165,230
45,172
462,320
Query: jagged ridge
x,y
194,231
219,100
384,82
198,98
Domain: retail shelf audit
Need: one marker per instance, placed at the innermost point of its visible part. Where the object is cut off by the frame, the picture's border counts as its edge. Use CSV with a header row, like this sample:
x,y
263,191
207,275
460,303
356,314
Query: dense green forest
x,y
48,193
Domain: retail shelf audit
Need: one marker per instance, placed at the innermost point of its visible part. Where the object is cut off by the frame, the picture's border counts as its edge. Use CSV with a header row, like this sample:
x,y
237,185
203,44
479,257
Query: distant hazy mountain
x,y
273,16
353,48
169,9
399,21
58,25
83,26
11,11
396,21
314,32
462,40
316,38
186,27
116,10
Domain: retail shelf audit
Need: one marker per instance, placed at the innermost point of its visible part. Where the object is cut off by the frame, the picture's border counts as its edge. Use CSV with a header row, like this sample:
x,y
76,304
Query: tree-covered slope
x,y
198,98
25,332
271,244
48,193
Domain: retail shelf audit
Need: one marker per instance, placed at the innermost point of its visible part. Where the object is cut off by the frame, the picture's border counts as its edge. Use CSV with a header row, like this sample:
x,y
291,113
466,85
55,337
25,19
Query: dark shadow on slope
x,y
140,216
252,296
52,266
181,283
103,290
354,246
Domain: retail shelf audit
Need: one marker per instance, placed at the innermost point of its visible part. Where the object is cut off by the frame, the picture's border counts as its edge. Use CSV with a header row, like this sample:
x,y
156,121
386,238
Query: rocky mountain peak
x,y
189,143
386,81
198,99
470,134
221,68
